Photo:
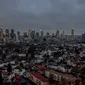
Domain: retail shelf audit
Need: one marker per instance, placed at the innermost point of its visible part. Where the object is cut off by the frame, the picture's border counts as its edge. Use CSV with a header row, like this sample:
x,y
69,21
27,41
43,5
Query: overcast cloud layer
x,y
48,15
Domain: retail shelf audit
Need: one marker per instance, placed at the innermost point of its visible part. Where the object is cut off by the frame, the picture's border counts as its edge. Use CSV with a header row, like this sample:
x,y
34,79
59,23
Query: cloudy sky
x,y
48,15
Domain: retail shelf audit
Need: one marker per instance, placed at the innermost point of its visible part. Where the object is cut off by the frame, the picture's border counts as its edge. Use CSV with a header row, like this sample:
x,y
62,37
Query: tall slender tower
x,y
41,31
53,35
18,35
57,34
1,33
32,34
7,35
47,35
12,35
62,35
72,33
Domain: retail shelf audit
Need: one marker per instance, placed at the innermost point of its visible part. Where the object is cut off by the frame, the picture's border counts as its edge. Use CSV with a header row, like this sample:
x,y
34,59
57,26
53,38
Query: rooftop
x,y
40,77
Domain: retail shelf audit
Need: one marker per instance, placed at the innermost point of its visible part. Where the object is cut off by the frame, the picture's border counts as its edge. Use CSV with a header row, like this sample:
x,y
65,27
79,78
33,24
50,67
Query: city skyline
x,y
44,31
43,14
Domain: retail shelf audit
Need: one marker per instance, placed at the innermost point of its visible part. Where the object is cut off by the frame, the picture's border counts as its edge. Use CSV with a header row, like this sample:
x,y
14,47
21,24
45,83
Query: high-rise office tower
x,y
7,35
53,35
47,34
72,33
32,34
62,35
1,33
18,35
7,32
12,31
37,35
12,35
25,37
57,34
41,31
29,31
25,34
29,34
83,38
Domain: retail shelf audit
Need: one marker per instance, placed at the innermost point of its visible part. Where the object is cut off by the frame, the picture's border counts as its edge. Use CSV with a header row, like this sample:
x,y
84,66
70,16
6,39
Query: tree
x,y
9,68
75,71
1,79
83,71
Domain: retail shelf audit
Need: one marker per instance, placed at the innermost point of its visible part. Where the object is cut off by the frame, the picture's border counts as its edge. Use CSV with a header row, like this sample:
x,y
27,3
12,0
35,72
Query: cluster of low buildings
x,y
37,59
42,64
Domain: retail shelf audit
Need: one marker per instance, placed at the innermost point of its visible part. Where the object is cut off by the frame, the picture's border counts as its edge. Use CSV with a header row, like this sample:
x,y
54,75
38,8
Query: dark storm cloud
x,y
71,12
81,2
46,14
6,5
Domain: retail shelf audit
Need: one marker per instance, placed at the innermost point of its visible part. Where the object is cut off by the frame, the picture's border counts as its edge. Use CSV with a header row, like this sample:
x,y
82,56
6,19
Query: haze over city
x,y
48,15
